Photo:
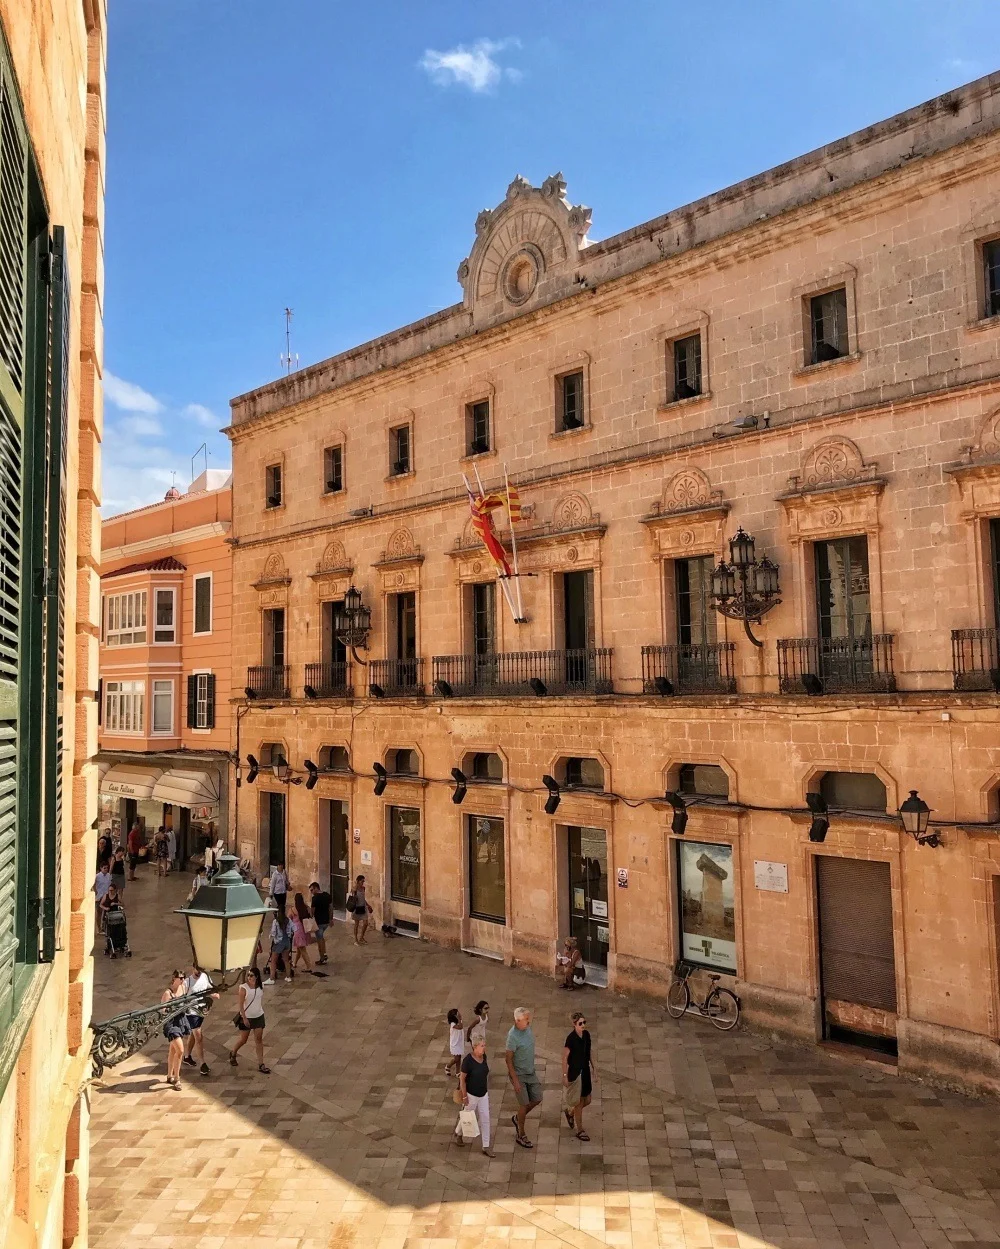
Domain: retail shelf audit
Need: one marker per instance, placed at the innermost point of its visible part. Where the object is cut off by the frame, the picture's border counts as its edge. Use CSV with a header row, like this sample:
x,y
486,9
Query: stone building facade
x,y
52,99
164,689
811,356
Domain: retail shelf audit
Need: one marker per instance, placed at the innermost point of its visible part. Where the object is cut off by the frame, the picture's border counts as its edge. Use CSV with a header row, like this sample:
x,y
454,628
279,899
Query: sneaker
x,y
204,1069
269,980
288,980
189,1059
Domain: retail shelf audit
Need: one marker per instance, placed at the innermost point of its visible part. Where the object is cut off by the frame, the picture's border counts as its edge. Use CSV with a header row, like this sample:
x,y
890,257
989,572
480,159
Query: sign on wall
x,y
770,876
707,904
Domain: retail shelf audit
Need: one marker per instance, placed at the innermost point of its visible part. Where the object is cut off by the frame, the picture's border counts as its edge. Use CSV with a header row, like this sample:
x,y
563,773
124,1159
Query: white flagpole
x,y
504,587
513,547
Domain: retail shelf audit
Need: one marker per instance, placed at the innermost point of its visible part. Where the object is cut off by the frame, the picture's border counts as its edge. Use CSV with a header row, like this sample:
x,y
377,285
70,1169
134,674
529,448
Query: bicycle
x,y
720,1005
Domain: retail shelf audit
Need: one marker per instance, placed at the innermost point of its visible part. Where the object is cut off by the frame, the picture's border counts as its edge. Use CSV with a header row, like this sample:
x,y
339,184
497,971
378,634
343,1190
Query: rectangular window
x,y
696,617
274,638
125,707
477,419
334,624
404,854
484,618
403,613
399,451
828,320
272,486
687,367
163,706
843,589
333,469
991,277
203,603
163,629
995,568
569,402
487,874
201,701
125,619
707,904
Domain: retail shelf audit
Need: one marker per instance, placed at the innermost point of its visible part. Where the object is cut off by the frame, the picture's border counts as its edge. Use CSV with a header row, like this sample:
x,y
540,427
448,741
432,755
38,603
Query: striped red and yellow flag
x,y
513,503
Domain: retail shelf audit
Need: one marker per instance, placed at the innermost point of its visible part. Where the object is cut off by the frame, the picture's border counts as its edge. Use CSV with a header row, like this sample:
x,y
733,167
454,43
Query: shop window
x,y
203,603
125,707
163,627
405,763
483,766
487,872
404,854
273,486
707,904
334,759
705,780
853,791
125,619
579,773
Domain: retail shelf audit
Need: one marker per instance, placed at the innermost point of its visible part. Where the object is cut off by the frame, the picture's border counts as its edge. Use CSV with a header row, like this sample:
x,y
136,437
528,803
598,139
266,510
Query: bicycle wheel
x,y
723,1008
678,998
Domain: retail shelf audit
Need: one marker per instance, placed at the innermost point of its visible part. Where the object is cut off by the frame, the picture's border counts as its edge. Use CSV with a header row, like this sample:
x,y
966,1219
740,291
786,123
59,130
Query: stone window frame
x,y
685,325
337,439
669,777
845,276
406,421
276,461
465,764
483,390
579,362
971,241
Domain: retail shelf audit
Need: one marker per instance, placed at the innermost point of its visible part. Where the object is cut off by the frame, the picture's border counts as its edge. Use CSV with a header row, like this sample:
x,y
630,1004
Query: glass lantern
x,y
224,920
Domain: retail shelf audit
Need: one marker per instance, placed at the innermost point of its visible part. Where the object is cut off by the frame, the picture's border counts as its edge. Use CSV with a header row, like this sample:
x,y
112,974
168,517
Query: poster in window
x,y
707,904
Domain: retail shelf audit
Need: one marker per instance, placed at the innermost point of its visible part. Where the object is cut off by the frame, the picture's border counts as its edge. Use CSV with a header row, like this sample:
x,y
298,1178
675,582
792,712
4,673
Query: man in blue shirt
x,y
520,1055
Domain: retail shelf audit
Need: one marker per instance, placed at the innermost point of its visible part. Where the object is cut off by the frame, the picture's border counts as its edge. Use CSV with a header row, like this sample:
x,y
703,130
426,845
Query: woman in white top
x,y
251,1019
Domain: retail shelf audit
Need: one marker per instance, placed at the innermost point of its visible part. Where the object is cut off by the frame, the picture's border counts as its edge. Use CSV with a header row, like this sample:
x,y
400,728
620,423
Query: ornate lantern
x,y
746,587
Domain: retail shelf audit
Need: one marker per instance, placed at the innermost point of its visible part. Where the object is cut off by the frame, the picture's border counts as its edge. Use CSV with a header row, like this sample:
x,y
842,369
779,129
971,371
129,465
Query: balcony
x,y
696,668
328,680
974,659
396,678
836,665
525,673
268,682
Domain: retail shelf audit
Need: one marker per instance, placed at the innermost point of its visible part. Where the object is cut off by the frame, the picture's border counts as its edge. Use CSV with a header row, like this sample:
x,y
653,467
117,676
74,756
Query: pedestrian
x,y
477,1029
200,878
456,1042
281,945
279,885
175,1030
250,1018
134,845
171,848
321,904
358,906
104,850
474,1090
578,1075
520,1056
102,883
111,901
569,964
300,938
162,849
194,1043
118,871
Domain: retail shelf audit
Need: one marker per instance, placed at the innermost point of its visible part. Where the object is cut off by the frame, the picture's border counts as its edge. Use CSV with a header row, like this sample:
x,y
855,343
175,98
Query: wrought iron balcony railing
x,y
836,665
331,680
397,677
268,682
520,673
975,659
695,668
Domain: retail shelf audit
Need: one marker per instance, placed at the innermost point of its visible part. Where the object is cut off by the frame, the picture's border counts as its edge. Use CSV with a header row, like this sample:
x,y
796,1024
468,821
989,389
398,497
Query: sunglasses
x,y
580,1023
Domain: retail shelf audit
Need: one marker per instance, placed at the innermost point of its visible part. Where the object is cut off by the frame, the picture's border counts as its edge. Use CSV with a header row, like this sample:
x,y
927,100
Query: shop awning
x,y
197,790
130,780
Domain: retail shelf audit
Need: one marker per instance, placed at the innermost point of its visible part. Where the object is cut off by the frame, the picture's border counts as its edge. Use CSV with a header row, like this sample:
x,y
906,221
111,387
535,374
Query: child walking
x,y
456,1042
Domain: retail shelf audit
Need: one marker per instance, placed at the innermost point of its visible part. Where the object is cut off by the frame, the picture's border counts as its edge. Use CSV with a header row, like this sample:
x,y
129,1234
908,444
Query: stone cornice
x,y
166,541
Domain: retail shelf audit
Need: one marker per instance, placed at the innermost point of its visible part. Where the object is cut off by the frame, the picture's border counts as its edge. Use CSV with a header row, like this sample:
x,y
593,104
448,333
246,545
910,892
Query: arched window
x,y
705,780
580,773
853,791
483,766
271,753
334,759
404,762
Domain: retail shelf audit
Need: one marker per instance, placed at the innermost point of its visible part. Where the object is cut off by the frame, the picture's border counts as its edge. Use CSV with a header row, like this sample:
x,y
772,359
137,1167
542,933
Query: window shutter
x,y
192,712
100,701
210,719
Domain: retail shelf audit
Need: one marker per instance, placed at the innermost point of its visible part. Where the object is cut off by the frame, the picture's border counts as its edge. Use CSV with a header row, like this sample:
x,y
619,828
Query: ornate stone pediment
x,y
526,251
689,517
273,575
978,474
836,493
333,572
831,463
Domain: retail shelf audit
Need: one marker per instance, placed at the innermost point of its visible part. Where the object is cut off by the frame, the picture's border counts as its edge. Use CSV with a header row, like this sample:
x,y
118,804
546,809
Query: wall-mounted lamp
x,y
381,778
253,770
353,624
461,786
283,772
443,688
915,816
313,771
250,693
745,588
309,691
662,685
680,817
552,801
538,687
820,823
376,691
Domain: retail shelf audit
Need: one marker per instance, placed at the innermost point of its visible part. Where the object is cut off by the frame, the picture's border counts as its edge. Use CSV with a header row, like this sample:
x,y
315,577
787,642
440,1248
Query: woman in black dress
x,y
578,1075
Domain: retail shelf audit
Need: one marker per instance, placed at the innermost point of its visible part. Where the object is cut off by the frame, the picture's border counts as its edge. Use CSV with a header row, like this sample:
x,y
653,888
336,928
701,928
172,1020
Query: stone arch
x,y
400,545
334,556
833,459
274,568
572,511
689,487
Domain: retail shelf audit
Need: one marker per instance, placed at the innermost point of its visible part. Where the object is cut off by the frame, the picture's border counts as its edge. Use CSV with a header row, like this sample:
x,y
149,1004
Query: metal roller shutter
x,y
855,931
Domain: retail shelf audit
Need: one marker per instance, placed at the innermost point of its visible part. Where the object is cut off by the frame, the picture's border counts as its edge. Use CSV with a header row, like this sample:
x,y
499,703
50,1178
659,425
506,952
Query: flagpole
x,y
504,587
513,547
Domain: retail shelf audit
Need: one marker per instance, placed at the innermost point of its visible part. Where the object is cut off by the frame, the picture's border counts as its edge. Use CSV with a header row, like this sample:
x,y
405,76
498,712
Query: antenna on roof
x,y
203,447
288,360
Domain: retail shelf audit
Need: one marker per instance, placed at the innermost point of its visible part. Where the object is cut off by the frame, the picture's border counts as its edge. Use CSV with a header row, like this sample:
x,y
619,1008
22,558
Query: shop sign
x,y
707,904
598,909
604,935
579,899
623,878
366,858
770,876
125,788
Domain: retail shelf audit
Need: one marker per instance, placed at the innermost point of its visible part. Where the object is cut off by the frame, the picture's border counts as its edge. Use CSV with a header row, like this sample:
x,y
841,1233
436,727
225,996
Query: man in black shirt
x,y
321,903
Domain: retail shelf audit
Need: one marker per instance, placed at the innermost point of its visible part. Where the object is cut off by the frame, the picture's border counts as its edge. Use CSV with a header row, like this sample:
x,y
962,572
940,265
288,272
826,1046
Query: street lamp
x,y
745,588
353,623
915,816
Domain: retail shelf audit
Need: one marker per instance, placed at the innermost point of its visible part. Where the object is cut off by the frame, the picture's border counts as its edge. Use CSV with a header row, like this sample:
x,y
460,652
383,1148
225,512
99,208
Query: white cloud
x,y
140,426
475,67
204,416
128,397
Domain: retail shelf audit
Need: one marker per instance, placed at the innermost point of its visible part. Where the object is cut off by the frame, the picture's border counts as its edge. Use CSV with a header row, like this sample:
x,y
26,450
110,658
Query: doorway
x,y
857,953
274,815
588,893
339,861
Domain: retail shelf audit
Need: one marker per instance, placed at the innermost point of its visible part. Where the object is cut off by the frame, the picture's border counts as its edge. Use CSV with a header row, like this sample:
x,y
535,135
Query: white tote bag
x,y
468,1125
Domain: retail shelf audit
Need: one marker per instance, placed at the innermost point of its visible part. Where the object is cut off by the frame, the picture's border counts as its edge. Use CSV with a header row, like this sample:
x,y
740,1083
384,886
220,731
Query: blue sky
x,y
332,157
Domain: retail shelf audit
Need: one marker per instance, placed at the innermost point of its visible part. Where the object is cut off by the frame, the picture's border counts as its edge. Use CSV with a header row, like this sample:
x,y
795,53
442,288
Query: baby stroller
x,y
117,929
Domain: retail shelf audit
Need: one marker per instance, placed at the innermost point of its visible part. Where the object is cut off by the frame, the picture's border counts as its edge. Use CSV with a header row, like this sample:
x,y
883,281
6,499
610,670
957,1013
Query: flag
x,y
482,523
513,503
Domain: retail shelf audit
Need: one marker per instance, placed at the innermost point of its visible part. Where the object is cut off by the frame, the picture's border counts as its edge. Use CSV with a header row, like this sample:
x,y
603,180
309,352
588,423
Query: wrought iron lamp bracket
x,y
747,609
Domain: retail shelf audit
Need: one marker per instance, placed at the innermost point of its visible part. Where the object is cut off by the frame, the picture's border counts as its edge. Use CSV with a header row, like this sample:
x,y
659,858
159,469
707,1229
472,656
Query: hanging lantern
x,y
741,549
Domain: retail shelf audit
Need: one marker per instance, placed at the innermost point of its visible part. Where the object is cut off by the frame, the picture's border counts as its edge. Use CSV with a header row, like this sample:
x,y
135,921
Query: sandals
x,y
521,1140
582,1136
232,1059
263,1069
569,1118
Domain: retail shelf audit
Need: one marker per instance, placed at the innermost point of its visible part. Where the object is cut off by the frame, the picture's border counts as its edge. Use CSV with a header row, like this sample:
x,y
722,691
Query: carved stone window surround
x,y
978,482
986,229
845,276
578,362
688,532
684,326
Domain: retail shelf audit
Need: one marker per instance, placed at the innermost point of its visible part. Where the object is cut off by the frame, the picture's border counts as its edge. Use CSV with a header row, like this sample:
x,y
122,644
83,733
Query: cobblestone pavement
x,y
700,1140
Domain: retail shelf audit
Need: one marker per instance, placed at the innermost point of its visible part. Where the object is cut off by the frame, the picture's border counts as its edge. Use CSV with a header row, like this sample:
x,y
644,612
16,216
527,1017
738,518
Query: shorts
x,y
531,1089
321,931
253,1021
194,1021
360,915
133,861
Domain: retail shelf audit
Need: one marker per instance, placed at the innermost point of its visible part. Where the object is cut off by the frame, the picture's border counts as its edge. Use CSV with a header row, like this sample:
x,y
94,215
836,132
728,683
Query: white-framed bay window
x,y
163,707
164,629
125,707
125,618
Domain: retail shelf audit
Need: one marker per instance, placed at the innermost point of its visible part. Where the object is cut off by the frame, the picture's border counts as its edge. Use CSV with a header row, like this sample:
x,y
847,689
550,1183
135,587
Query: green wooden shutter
x,y
210,717
192,715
